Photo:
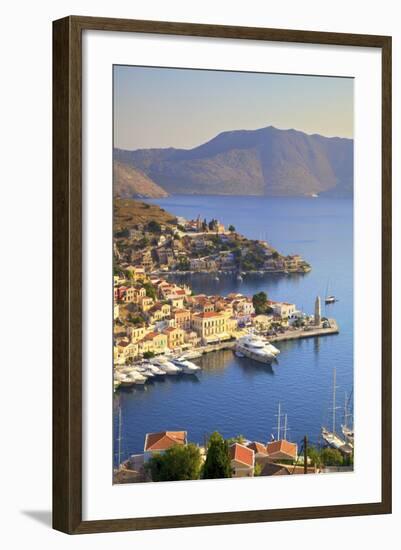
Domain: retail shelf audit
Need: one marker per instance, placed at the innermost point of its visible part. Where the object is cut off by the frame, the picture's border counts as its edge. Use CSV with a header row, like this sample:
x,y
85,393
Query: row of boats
x,y
140,373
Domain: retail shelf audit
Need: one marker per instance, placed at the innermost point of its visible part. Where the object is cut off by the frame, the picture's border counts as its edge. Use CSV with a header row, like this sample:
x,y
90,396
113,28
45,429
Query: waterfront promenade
x,y
296,334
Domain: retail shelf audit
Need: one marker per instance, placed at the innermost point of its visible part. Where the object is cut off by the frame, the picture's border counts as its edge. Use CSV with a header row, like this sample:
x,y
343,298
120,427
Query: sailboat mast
x,y
278,427
334,401
285,427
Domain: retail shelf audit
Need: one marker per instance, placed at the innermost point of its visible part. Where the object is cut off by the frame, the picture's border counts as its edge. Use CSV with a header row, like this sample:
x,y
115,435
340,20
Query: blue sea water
x,y
236,396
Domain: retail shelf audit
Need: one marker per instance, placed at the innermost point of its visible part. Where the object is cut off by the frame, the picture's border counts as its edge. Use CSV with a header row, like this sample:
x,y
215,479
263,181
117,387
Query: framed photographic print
x,y
222,275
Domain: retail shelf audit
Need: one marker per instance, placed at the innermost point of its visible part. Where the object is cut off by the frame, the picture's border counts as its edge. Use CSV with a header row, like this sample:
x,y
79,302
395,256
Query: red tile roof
x,y
206,314
257,447
162,441
242,454
282,447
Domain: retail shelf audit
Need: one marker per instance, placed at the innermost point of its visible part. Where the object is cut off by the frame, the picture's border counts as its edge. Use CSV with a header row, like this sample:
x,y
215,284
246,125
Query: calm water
x,y
237,396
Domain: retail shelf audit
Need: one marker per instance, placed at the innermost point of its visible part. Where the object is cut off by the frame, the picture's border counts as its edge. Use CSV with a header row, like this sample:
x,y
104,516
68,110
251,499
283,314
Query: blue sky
x,y
159,107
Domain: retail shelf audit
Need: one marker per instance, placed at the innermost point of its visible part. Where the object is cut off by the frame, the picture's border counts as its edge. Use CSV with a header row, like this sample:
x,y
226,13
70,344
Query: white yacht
x,y
156,370
187,366
256,348
167,366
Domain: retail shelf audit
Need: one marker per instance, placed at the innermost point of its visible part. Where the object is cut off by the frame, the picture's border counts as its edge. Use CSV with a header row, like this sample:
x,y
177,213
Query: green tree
x,y
231,228
259,302
257,471
237,439
150,290
217,464
180,462
331,457
314,456
154,227
212,224
148,355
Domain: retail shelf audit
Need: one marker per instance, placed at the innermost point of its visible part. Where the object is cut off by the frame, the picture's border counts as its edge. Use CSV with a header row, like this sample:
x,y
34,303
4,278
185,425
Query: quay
x,y
287,335
310,333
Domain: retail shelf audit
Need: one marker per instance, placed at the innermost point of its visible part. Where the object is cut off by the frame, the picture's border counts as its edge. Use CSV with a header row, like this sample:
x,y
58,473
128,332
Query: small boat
x,y
239,354
239,277
330,298
216,278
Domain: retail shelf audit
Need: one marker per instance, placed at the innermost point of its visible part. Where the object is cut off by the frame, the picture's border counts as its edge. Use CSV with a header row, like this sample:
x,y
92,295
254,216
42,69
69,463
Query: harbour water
x,y
236,396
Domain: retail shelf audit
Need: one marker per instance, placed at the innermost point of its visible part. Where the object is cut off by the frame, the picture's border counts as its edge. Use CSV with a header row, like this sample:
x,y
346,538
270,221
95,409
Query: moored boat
x,y
256,348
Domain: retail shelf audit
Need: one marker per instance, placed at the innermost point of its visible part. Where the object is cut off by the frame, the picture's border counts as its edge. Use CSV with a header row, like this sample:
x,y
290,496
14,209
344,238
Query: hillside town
x,y
198,245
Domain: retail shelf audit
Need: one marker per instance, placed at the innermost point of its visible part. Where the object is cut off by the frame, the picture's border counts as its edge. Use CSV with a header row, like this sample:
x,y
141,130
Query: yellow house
x,y
127,350
210,326
137,333
136,273
262,322
231,325
158,312
145,303
177,302
155,342
175,337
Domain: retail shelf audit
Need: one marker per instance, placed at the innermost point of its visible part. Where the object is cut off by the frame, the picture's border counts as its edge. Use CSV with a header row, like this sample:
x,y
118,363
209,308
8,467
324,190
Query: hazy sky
x,y
158,107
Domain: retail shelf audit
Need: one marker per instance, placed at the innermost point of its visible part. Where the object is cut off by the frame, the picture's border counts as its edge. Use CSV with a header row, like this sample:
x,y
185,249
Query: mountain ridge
x,y
266,161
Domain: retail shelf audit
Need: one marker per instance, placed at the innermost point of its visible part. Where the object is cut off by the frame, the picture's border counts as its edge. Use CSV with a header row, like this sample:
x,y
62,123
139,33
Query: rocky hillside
x,y
251,162
129,182
128,213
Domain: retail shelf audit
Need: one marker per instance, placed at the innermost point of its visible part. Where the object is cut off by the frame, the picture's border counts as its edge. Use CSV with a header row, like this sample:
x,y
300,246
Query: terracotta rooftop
x,y
207,314
170,329
162,441
282,447
257,447
242,454
151,335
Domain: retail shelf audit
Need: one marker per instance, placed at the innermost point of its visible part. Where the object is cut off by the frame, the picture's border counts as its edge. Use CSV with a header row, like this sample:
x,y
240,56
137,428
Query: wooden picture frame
x,y
67,273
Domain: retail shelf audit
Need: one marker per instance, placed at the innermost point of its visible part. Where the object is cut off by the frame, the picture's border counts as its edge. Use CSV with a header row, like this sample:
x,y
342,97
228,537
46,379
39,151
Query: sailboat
x,y
330,298
331,437
347,431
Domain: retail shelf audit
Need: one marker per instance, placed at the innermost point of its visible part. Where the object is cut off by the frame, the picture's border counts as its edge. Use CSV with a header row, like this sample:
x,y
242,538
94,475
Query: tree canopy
x,y
259,302
217,464
180,462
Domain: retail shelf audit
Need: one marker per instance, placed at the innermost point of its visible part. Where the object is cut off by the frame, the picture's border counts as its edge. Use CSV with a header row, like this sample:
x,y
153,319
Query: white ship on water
x,y
346,429
256,348
330,436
